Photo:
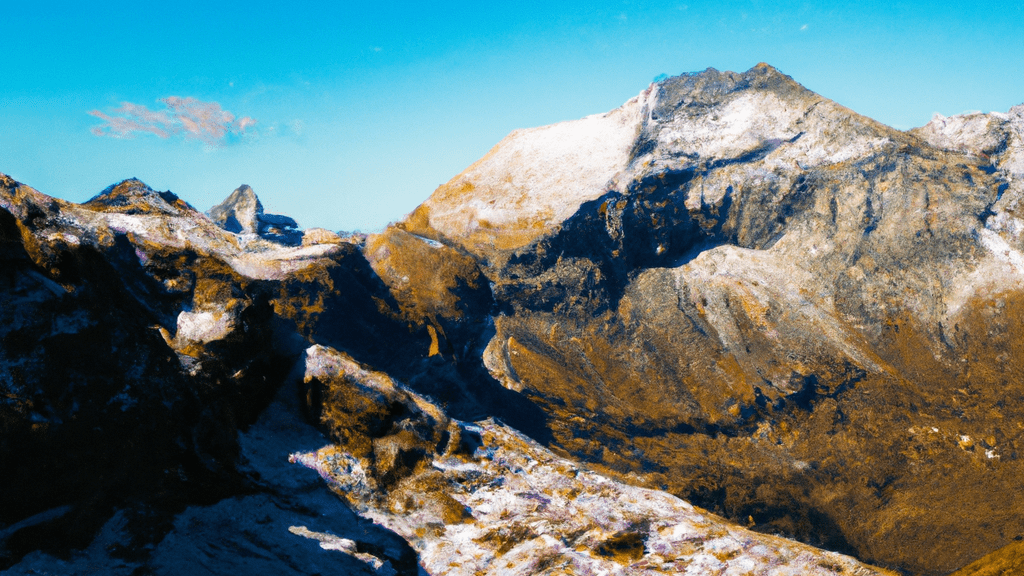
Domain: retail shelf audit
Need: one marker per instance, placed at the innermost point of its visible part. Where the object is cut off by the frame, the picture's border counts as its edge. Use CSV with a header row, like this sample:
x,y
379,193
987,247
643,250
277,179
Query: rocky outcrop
x,y
137,338
435,286
239,212
484,499
391,428
242,213
284,521
95,396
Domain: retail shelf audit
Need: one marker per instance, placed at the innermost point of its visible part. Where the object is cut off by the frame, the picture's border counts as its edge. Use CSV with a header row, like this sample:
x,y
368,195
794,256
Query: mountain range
x,y
729,327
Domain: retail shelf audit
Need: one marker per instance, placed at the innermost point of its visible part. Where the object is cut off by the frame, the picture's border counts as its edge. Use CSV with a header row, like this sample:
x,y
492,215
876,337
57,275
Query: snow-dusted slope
x,y
492,501
534,179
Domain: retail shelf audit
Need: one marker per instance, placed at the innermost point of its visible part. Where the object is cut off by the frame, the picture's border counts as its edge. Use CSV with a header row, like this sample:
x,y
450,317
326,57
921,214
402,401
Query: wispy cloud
x,y
188,117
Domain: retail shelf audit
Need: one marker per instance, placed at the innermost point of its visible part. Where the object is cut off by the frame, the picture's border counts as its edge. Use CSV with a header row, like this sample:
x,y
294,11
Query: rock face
x,y
99,396
730,291
239,212
484,499
242,213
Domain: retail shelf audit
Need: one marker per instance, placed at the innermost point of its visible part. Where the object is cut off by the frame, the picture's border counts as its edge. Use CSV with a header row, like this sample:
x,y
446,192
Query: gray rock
x,y
239,212
242,213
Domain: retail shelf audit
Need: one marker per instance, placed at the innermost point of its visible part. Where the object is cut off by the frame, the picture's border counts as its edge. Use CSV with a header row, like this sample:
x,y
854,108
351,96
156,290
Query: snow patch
x,y
1002,270
332,542
539,174
204,326
529,511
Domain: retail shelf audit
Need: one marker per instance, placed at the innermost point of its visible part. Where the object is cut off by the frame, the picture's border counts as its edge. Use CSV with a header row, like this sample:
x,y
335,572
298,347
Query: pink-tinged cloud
x,y
189,117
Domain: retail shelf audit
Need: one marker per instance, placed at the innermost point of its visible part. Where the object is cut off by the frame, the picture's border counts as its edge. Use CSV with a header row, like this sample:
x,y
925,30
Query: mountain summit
x,y
242,213
239,212
535,179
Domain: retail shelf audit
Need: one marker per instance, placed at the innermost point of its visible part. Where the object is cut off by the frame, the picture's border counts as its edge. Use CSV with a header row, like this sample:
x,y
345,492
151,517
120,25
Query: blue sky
x,y
348,116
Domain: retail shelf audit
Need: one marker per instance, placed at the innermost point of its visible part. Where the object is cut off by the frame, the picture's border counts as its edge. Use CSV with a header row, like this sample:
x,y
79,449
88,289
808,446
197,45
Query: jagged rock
x,y
242,213
286,521
999,139
434,285
94,396
278,228
502,504
136,338
372,416
278,221
239,212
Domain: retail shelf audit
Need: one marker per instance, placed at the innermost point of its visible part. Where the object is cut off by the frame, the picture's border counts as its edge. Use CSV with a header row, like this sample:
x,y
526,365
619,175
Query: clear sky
x,y
346,116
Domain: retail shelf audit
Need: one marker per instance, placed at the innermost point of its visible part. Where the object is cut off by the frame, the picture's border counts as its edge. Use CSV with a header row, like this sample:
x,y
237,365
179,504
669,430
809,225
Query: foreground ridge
x,y
492,501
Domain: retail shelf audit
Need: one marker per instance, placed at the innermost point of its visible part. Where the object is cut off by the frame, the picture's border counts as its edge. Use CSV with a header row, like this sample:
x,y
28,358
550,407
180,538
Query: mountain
x,y
664,338
242,213
769,305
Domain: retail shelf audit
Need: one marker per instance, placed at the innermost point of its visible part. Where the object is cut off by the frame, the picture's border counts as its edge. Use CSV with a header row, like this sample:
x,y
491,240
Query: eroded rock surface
x,y
484,499
136,339
242,213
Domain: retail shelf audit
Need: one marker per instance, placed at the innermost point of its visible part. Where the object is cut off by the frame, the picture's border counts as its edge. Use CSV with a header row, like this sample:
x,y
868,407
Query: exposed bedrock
x,y
481,498
139,339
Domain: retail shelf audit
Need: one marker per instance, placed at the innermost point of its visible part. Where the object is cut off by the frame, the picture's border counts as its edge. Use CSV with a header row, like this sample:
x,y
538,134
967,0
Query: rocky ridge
x,y
484,499
731,290
138,337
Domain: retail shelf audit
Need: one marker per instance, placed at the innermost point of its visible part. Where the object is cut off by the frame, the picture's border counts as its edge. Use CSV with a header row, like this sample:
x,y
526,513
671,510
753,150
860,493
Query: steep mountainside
x,y
729,291
774,307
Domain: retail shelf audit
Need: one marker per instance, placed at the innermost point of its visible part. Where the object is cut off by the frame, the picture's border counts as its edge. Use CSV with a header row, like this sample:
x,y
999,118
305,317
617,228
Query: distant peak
x,y
131,187
764,70
242,213
124,186
239,212
133,196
